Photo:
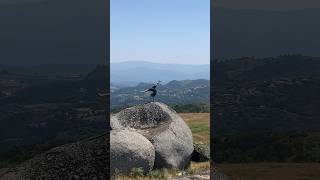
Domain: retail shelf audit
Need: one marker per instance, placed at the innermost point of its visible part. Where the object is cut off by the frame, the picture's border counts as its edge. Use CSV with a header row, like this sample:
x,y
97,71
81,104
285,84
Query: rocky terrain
x,y
163,132
86,159
150,136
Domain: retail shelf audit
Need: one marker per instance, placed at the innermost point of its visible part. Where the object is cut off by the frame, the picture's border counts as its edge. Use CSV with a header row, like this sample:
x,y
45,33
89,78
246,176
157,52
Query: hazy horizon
x,y
156,62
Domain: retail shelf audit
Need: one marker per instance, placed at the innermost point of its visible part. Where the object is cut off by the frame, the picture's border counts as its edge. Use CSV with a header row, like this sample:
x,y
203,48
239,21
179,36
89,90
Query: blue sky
x,y
163,31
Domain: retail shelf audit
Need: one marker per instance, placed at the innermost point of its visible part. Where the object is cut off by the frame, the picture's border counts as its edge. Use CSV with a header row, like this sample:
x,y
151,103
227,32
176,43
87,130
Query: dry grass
x,y
198,167
155,174
194,168
199,124
272,171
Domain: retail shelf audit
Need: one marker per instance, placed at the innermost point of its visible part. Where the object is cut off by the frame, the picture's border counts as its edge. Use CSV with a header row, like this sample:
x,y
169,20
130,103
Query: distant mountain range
x,y
132,73
124,74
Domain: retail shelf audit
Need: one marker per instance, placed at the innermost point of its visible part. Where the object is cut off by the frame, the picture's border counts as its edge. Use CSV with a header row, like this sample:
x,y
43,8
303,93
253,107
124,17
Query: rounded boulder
x,y
166,130
129,150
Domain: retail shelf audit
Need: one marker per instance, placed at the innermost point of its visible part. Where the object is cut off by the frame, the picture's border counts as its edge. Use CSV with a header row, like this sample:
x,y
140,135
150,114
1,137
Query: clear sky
x,y
163,31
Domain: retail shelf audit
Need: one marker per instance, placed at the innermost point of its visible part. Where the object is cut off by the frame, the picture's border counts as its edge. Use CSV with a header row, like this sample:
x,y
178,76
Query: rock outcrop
x,y
164,128
130,150
146,136
87,159
201,152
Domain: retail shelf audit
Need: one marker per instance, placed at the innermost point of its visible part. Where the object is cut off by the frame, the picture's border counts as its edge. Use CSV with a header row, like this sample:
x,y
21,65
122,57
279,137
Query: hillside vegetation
x,y
185,93
199,124
38,112
266,110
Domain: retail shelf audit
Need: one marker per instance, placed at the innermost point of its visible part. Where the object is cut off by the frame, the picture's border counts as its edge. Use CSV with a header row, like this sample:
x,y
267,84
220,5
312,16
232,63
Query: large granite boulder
x,y
165,129
130,150
86,159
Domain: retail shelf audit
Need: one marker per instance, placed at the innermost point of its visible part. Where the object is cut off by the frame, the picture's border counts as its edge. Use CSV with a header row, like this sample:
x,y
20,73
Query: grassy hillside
x,y
199,124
